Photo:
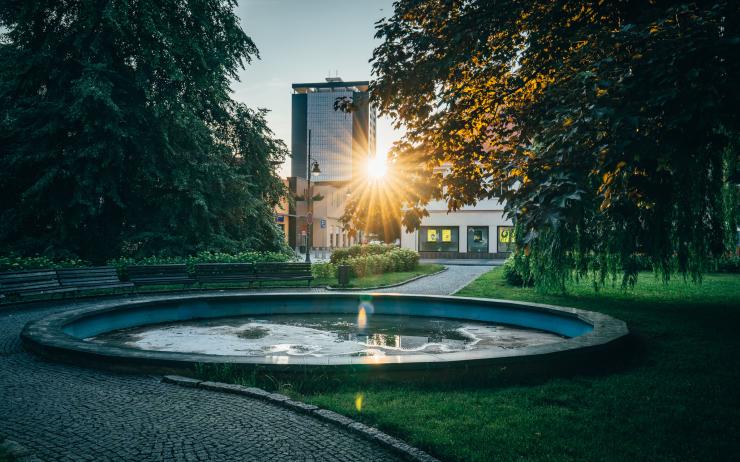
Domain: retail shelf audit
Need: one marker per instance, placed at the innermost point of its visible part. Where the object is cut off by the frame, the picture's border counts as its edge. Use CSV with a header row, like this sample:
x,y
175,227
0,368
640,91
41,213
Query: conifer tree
x,y
118,133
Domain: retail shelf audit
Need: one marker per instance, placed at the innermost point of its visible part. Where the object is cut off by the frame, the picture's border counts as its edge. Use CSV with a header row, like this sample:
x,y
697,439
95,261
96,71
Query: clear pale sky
x,y
306,41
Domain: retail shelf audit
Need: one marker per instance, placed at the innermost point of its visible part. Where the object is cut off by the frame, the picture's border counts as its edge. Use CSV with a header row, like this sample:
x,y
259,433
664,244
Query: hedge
x,y
324,270
15,263
388,262
358,250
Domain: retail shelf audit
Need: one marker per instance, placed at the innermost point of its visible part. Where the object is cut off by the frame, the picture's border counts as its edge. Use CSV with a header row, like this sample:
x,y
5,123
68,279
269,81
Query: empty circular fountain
x,y
339,331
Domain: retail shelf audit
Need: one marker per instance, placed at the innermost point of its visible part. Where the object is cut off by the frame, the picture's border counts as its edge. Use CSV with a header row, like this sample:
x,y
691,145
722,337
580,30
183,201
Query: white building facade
x,y
474,232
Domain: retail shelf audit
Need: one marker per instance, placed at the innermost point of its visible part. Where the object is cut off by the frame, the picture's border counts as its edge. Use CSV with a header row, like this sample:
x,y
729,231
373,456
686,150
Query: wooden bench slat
x,y
31,282
274,271
159,274
224,272
47,281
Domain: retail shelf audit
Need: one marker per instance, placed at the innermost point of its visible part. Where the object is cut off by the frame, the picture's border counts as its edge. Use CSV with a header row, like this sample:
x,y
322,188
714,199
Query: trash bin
x,y
343,275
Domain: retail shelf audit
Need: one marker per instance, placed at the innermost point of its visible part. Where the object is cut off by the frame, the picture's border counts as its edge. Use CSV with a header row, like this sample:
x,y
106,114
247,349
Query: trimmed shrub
x,y
358,250
203,257
324,270
15,263
390,261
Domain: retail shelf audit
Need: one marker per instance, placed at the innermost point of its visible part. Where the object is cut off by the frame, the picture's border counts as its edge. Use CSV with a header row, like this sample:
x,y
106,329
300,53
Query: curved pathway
x,y
445,283
62,412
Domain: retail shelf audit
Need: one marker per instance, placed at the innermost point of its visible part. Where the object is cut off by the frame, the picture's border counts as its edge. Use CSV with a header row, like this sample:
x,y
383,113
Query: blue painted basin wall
x,y
185,310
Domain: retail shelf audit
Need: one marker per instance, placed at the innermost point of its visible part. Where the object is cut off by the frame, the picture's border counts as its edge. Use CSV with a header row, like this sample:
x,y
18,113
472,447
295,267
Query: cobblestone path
x,y
62,412
67,413
445,283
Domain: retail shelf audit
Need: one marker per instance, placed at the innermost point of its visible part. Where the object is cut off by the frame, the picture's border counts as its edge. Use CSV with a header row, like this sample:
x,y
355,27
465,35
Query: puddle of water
x,y
325,335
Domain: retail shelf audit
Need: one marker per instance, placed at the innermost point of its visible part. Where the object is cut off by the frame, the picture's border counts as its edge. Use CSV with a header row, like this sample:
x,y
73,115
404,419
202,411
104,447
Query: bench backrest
x,y
18,282
277,270
158,273
215,271
87,277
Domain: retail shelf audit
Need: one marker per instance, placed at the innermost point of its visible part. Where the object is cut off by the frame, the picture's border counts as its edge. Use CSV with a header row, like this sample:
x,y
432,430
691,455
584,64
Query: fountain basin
x,y
96,335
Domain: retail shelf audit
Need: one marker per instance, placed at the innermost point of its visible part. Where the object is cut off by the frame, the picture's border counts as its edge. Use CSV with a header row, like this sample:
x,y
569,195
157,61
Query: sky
x,y
307,41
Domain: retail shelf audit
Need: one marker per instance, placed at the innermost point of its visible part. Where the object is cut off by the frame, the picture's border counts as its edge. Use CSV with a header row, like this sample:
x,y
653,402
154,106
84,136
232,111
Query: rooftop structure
x,y
340,141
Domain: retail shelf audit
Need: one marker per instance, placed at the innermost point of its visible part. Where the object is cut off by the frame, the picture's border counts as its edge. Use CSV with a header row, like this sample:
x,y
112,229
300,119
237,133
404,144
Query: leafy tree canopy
x,y
118,134
613,126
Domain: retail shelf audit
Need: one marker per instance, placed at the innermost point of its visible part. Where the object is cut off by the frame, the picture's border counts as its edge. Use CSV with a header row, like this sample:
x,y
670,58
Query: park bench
x,y
147,275
31,282
101,277
283,272
209,273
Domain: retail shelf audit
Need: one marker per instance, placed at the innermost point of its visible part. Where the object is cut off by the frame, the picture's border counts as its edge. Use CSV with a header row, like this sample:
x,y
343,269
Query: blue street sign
x,y
323,223
280,218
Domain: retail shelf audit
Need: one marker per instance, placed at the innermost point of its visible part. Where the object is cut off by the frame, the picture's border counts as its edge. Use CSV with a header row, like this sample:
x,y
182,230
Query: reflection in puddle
x,y
325,335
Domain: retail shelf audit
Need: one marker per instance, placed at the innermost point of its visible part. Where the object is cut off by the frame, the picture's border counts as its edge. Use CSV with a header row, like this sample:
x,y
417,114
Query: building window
x,y
505,239
477,238
439,239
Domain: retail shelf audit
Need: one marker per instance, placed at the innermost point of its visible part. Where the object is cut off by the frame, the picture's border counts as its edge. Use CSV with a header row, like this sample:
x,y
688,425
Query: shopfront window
x,y
477,238
439,239
505,238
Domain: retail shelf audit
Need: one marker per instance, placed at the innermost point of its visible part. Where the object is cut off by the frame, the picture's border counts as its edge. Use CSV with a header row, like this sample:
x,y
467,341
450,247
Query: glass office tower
x,y
340,142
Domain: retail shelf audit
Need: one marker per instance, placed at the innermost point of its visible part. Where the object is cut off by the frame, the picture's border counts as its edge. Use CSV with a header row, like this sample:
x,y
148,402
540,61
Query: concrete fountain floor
x,y
321,335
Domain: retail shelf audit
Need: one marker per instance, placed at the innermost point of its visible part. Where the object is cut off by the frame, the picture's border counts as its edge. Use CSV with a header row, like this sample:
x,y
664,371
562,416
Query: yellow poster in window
x,y
431,235
446,235
505,235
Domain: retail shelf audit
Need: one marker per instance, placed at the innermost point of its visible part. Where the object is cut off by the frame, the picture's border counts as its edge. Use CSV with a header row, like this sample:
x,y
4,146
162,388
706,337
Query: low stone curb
x,y
373,434
388,286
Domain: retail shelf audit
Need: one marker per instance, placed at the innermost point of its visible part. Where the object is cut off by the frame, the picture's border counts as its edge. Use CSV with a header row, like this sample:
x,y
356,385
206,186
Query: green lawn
x,y
678,400
375,280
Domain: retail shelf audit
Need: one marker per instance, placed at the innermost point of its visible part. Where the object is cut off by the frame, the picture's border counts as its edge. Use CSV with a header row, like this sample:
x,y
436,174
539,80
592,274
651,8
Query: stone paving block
x,y
333,417
179,380
62,412
14,449
277,397
65,412
300,406
256,391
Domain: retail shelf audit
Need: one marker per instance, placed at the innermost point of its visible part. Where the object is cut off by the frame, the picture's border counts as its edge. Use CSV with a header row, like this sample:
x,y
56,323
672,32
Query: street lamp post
x,y
312,169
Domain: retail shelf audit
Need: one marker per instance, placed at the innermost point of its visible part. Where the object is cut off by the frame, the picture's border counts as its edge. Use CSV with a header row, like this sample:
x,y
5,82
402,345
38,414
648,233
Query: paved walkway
x,y
445,283
68,413
463,261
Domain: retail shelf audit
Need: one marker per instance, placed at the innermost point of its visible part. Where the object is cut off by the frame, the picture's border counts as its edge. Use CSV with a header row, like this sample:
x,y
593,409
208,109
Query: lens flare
x,y
361,318
364,310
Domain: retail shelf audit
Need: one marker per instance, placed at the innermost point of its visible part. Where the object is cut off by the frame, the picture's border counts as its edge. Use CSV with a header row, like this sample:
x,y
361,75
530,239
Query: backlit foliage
x,y
613,126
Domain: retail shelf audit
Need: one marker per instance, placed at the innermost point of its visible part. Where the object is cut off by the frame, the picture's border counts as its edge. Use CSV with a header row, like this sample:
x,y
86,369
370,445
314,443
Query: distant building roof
x,y
331,84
